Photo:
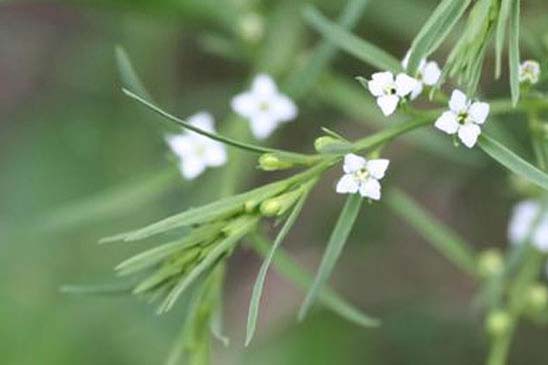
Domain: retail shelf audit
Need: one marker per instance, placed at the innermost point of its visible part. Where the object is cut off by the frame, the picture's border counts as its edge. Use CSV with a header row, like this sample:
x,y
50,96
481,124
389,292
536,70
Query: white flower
x,y
264,106
361,175
197,152
388,91
529,221
428,74
463,117
529,71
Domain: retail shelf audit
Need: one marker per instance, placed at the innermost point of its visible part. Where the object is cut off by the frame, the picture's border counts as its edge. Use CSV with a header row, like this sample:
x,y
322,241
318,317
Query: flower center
x,y
362,174
390,90
462,118
264,106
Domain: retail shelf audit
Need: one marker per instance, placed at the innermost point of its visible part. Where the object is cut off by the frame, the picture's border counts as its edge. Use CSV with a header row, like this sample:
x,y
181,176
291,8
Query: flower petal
x,y
371,189
469,133
523,216
347,184
263,84
383,78
388,104
447,122
540,237
458,101
245,104
377,168
191,167
215,154
353,163
202,120
431,73
180,144
262,125
376,88
283,108
405,84
479,112
416,91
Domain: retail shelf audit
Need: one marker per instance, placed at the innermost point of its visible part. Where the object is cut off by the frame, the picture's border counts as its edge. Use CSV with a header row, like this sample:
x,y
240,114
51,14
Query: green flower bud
x,y
280,204
322,142
537,297
272,162
490,262
498,323
250,205
251,27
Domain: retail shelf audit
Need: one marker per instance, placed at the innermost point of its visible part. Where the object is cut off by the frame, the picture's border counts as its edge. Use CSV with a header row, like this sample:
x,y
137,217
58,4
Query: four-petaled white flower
x,y
529,221
197,152
390,91
428,74
464,117
529,71
362,176
264,106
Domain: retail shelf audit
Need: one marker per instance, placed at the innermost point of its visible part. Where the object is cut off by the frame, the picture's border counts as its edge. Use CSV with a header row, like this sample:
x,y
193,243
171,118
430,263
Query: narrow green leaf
x,y
130,79
441,237
334,248
215,254
103,289
359,48
504,14
186,125
512,161
216,210
253,312
435,30
291,270
513,51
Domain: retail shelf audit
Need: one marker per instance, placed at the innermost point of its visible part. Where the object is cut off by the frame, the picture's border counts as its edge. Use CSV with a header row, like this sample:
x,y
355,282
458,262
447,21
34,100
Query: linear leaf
x,y
102,289
513,51
253,312
359,48
130,79
334,248
213,211
435,30
216,253
504,14
441,237
512,161
291,270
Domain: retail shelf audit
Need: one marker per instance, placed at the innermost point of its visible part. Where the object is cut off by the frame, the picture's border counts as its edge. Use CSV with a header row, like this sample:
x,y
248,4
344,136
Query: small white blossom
x,y
529,221
529,71
264,106
464,117
428,74
362,176
390,91
196,152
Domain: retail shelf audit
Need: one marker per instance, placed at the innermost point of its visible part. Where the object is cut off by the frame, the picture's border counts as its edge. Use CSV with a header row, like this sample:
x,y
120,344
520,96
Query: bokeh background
x,y
78,161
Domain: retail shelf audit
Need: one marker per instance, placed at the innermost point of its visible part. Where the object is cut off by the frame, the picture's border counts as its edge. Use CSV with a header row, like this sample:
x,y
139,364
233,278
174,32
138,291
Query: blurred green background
x,y
78,161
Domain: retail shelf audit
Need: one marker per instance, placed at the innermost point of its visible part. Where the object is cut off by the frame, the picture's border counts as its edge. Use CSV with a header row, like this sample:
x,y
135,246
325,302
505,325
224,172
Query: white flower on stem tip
x,y
529,71
362,176
464,117
529,221
194,151
264,106
428,74
389,90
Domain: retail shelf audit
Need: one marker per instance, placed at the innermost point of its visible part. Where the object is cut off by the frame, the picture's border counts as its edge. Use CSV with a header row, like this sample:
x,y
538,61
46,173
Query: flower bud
x,y
250,205
490,262
273,162
497,323
328,144
537,297
280,204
